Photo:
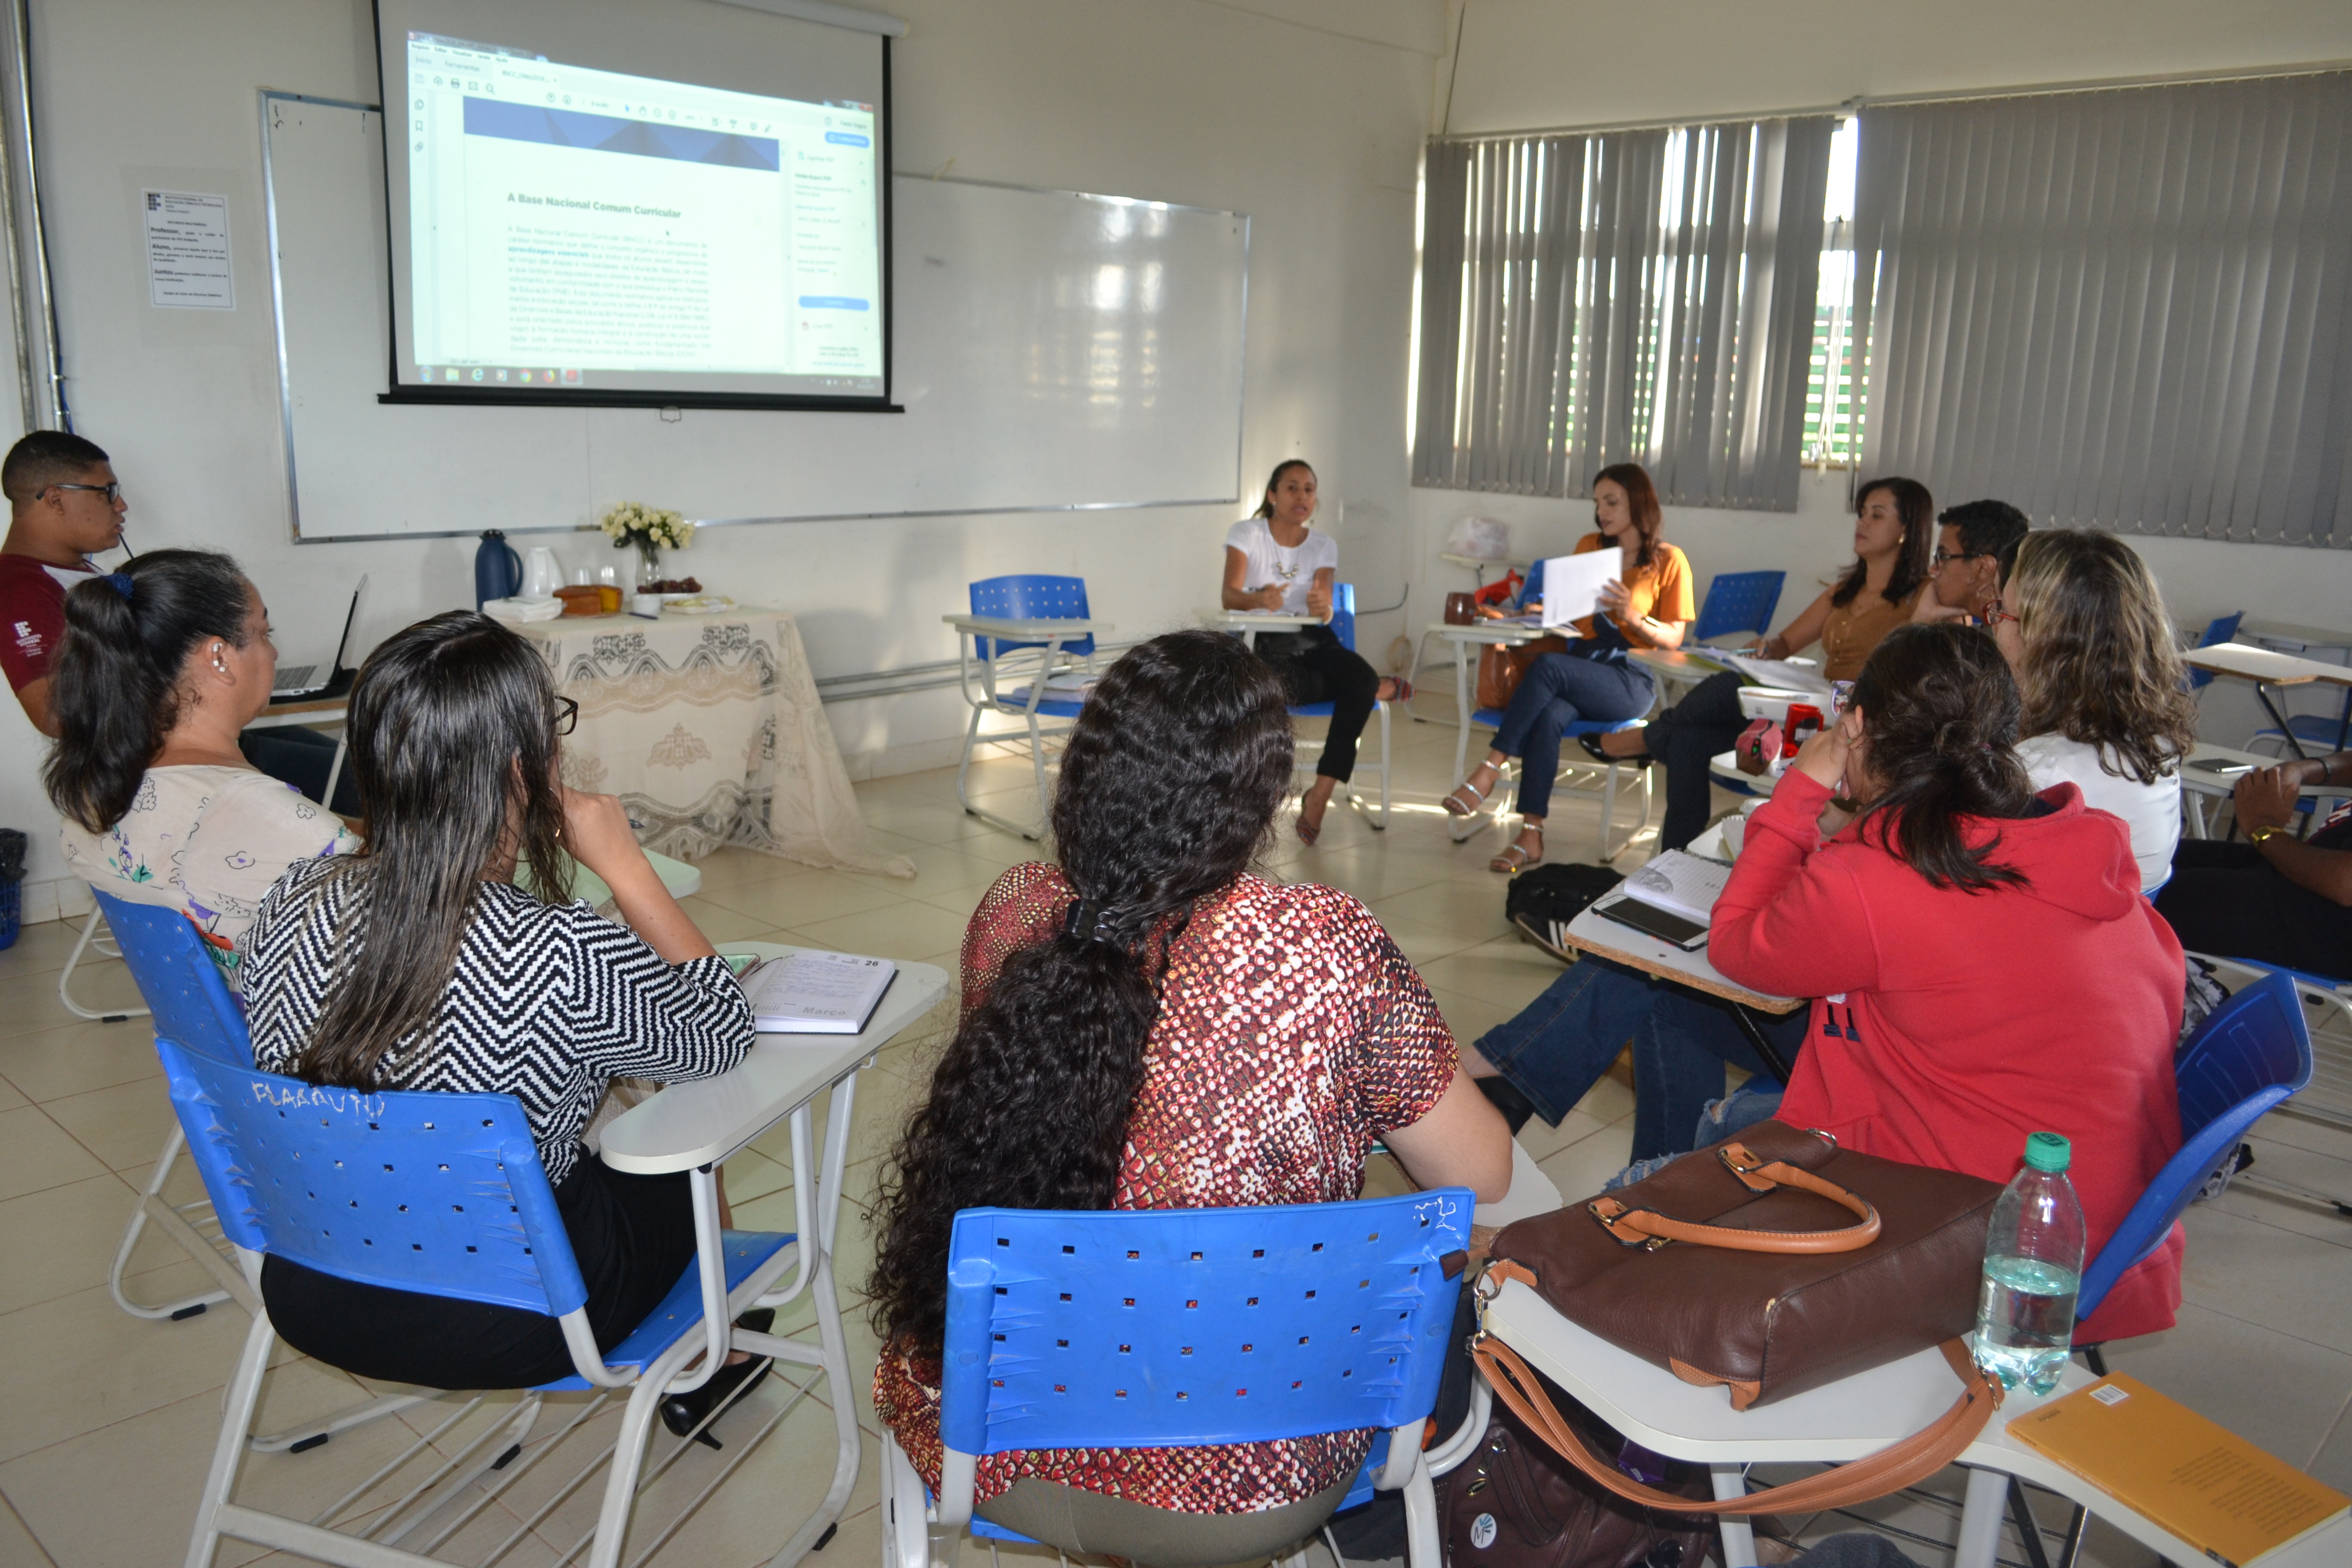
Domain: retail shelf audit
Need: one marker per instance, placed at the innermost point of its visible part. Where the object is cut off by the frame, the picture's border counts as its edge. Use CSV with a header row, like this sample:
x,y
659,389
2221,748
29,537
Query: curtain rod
x,y
1894,101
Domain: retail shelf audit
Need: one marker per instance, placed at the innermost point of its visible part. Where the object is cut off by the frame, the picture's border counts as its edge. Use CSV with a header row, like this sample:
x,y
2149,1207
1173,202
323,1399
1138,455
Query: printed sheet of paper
x,y
1572,585
187,251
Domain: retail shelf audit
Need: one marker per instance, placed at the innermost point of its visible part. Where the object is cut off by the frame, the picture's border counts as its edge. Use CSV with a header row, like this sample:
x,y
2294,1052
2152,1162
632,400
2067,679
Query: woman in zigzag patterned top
x,y
417,963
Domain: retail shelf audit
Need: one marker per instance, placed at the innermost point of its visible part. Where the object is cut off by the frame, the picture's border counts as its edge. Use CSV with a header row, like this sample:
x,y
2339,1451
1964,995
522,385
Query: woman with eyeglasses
x,y
163,663
1894,533
419,964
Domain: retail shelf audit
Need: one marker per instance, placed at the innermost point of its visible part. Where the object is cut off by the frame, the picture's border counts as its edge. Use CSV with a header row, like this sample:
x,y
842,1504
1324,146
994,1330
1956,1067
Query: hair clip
x,y
1088,921
120,583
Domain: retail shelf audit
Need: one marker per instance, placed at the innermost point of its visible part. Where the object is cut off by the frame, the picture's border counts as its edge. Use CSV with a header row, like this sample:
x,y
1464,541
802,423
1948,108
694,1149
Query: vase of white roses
x,y
650,530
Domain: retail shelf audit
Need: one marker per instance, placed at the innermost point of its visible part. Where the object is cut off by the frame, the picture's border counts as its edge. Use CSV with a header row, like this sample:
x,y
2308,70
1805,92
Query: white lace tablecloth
x,y
710,729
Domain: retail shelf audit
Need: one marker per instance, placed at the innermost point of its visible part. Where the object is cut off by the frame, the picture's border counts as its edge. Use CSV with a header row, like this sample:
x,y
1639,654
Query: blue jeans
x,y
1561,1044
1558,691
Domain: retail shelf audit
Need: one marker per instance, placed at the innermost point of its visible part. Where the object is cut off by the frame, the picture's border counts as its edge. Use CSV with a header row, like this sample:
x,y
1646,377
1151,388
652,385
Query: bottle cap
x,y
2048,1152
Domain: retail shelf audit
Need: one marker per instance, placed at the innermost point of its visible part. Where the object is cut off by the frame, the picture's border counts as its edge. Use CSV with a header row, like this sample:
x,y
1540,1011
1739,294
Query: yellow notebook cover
x,y
2202,1482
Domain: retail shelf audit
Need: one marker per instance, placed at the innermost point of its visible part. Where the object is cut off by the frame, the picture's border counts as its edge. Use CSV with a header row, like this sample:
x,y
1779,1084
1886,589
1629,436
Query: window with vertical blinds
x,y
2121,309
1641,296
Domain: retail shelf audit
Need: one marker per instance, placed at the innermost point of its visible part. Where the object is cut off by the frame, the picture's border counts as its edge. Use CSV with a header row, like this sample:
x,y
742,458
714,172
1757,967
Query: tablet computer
x,y
1651,921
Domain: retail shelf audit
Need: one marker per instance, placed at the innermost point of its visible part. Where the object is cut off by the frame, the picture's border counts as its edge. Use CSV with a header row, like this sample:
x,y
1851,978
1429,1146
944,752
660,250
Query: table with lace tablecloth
x,y
710,729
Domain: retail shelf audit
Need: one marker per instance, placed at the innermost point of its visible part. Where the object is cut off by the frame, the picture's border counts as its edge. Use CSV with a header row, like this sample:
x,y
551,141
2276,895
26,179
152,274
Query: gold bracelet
x,y
2256,835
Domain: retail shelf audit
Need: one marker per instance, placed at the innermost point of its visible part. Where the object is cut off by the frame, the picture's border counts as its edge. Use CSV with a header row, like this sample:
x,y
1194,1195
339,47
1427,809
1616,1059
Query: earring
x,y
219,663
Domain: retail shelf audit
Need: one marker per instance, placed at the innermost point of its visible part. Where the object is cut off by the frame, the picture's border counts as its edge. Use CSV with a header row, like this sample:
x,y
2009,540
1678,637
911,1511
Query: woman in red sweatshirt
x,y
1987,966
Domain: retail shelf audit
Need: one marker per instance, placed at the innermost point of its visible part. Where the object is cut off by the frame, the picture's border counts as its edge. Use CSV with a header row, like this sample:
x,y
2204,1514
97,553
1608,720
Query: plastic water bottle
x,y
2033,1265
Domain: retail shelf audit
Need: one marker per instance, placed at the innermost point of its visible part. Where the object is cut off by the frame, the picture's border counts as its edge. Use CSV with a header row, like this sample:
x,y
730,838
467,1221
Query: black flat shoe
x,y
1591,744
682,1412
1504,1094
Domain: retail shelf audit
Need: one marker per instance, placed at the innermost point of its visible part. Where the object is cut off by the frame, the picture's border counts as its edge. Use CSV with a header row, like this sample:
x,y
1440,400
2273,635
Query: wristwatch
x,y
2256,835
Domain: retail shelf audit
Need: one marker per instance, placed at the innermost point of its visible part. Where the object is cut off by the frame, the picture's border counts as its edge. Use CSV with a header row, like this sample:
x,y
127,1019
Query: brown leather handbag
x,y
1772,1263
1501,668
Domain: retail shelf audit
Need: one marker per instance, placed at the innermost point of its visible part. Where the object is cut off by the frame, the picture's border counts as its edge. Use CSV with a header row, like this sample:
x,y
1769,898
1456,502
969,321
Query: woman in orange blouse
x,y
1150,1024
1649,606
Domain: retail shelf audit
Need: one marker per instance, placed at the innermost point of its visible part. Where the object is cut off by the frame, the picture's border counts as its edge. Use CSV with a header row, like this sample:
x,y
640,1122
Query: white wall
x,y
1306,114
1531,64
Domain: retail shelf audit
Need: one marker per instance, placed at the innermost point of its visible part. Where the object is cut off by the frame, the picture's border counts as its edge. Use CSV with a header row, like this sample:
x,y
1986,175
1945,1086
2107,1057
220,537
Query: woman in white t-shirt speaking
x,y
1274,560
2083,625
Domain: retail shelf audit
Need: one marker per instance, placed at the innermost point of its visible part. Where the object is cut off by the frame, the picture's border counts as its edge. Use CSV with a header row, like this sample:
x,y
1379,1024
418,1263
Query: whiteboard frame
x,y
286,380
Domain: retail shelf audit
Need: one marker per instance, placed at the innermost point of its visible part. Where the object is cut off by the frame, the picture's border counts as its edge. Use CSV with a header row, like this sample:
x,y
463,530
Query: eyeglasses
x,y
1943,560
567,714
108,492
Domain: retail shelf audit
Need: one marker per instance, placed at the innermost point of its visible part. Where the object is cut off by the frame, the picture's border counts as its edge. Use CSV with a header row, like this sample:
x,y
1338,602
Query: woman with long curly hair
x,y
1147,1024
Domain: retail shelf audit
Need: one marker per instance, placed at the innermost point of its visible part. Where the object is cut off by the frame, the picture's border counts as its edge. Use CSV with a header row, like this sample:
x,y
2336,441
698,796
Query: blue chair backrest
x,y
1030,597
1533,587
2251,1054
178,980
437,1193
1343,613
1171,1327
1740,602
2218,630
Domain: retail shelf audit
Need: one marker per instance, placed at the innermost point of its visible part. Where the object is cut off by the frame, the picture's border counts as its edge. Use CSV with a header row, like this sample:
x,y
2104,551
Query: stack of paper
x,y
1680,884
1780,673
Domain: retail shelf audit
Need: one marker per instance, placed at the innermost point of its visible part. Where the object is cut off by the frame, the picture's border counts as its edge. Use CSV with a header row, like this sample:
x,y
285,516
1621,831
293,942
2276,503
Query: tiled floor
x,y
106,1422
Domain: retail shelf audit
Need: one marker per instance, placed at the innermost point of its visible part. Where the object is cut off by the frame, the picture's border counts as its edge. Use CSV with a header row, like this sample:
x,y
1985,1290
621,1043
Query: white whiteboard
x,y
1052,351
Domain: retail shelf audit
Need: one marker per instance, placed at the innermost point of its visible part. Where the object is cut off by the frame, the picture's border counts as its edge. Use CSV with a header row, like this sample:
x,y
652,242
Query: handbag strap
x,y
1649,1228
1890,1469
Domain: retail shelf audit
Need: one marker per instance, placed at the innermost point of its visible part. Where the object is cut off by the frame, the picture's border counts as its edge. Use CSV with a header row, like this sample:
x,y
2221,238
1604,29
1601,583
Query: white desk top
x,y
1498,632
2266,664
1256,620
1845,1421
1726,766
1029,631
688,1125
2205,783
1604,938
1681,664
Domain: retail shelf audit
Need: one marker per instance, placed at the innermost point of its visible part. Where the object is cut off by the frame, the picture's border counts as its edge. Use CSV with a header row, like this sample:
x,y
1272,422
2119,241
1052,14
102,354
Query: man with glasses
x,y
64,508
1975,543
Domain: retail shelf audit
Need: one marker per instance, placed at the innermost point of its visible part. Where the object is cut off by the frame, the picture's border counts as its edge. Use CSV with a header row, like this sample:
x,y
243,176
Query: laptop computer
x,y
297,678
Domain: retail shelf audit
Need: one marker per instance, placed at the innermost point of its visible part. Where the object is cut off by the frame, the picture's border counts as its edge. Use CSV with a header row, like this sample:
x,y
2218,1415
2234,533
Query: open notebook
x,y
816,993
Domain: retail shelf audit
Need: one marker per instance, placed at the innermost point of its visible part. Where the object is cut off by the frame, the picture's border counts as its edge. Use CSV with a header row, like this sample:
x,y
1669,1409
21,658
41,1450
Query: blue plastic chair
x,y
1180,1328
2245,1060
1738,601
2219,630
183,987
1343,626
991,679
441,1193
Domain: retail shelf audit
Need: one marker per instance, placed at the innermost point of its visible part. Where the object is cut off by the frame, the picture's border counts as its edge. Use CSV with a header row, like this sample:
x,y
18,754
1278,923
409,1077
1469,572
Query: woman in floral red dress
x,y
1150,1024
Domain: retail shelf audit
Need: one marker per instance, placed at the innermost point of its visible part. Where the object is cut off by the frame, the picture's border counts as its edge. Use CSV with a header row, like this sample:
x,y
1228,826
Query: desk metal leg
x,y
842,1391
1462,711
1757,1042
1738,1535
335,769
2263,694
1981,1517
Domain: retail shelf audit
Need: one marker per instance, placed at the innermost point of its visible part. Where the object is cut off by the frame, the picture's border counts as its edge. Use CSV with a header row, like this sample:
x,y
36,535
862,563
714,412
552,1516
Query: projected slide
x,y
578,228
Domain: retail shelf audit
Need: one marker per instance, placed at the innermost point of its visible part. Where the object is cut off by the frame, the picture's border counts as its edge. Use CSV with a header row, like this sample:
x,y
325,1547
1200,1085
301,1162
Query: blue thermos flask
x,y
497,570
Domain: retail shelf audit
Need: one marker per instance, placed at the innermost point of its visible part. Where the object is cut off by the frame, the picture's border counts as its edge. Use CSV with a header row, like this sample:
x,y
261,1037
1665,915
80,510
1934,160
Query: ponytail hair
x,y
1168,790
1940,734
1266,503
116,692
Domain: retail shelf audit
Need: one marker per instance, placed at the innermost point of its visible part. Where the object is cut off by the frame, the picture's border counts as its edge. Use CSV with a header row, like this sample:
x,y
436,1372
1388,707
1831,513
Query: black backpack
x,y
1542,900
